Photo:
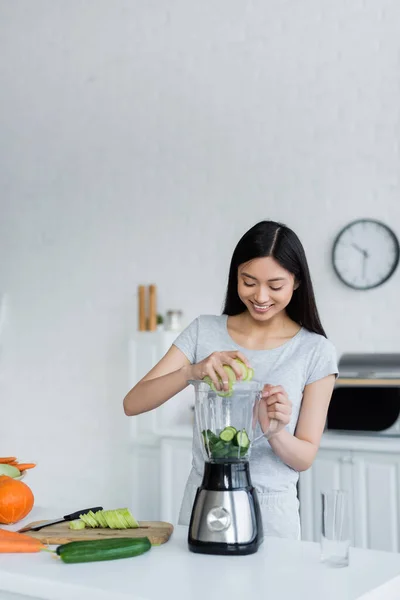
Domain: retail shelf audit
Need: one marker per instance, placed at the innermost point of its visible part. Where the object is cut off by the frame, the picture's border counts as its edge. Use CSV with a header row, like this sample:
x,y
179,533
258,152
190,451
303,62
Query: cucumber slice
x,y
227,435
93,516
77,524
209,437
243,368
129,519
242,439
222,393
221,450
250,374
88,520
231,380
120,518
233,429
100,518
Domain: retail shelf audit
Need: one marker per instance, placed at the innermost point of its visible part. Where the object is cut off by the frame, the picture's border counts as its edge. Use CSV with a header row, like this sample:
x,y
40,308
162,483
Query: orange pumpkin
x,y
16,500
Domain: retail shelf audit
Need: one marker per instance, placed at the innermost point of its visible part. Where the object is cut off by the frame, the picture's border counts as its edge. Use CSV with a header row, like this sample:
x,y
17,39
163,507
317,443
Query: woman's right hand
x,y
212,366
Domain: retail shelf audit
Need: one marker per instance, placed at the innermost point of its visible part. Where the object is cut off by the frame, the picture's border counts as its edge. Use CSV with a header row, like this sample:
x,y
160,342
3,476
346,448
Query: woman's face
x,y
265,287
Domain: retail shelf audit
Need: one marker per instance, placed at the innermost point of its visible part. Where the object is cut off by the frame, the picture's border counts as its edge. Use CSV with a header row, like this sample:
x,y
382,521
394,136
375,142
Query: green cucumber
x,y
221,450
247,375
243,368
96,550
230,443
231,380
227,434
89,520
250,374
77,524
242,439
233,429
222,393
120,518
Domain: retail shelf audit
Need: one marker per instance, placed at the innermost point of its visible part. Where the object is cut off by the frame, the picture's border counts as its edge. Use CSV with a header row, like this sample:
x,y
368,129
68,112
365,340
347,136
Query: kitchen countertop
x,y
334,440
360,441
281,569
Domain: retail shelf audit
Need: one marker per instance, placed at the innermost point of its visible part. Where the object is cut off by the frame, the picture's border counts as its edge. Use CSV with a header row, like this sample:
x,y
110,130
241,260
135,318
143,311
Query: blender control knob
x,y
218,519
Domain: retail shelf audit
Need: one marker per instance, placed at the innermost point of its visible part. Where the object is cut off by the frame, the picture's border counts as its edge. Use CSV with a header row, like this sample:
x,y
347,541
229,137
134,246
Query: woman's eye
x,y
249,284
277,289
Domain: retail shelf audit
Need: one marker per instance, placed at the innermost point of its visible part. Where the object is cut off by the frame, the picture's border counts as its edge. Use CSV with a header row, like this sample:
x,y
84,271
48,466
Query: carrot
x,y
12,541
14,535
6,460
7,546
24,466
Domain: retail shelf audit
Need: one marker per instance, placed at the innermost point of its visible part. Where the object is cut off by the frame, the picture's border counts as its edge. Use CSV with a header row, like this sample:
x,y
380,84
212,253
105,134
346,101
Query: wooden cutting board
x,y
158,532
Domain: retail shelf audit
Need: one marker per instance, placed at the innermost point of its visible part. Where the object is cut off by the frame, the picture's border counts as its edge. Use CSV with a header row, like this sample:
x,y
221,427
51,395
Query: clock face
x,y
365,254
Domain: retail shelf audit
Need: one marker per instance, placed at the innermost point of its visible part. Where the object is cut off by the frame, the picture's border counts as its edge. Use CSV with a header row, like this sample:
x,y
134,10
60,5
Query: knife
x,y
71,517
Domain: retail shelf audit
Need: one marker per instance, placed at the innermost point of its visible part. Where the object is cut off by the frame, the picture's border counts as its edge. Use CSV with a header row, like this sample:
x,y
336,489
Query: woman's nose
x,y
262,296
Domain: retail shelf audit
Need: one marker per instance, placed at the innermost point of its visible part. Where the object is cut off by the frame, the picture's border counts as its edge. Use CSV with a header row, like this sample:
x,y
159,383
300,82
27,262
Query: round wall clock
x,y
365,254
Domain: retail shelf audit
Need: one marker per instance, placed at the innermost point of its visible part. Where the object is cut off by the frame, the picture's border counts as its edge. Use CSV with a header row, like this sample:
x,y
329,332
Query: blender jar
x,y
226,424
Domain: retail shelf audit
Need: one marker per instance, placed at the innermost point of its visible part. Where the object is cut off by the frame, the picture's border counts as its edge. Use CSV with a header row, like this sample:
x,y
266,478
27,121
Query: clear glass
x,y
335,534
215,413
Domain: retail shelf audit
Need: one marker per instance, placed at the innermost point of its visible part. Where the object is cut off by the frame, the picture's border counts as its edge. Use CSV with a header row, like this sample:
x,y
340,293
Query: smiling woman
x,y
271,323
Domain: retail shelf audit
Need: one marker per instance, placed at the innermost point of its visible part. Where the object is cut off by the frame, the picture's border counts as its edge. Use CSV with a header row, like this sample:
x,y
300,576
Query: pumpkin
x,y
16,500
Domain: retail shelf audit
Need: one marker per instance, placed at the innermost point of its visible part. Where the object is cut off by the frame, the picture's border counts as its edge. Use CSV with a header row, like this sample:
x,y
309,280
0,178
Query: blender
x,y
226,517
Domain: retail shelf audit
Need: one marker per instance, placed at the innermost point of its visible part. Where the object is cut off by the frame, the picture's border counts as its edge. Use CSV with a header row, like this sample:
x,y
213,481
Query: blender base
x,y
226,515
222,548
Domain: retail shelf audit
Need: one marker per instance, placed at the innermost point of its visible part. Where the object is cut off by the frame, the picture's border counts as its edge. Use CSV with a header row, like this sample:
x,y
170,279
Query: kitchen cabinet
x,y
146,348
372,480
175,465
331,469
159,475
376,481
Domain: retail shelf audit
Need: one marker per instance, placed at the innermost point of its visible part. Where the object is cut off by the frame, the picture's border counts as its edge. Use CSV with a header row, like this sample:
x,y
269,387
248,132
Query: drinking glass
x,y
335,534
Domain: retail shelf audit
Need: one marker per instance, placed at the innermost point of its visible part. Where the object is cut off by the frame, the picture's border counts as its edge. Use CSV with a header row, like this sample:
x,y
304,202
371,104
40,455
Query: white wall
x,y
138,141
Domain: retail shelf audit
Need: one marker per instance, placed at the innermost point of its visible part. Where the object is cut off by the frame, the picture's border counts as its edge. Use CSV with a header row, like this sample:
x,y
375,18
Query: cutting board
x,y
158,532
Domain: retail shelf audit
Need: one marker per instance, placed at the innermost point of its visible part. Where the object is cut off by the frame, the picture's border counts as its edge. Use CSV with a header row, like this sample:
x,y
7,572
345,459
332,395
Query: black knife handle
x,y
75,515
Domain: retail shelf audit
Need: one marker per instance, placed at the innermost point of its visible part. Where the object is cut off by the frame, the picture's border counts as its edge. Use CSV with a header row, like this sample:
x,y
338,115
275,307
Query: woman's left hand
x,y
274,410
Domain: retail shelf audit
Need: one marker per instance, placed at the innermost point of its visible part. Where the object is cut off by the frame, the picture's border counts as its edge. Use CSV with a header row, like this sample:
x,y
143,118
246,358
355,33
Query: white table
x,y
281,570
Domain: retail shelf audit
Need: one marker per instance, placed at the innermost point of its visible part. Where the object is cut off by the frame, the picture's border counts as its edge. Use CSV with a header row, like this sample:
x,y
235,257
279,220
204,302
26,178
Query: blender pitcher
x,y
226,516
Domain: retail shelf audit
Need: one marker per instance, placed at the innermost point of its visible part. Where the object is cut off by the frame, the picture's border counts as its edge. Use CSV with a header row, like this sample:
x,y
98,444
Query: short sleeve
x,y
187,340
323,361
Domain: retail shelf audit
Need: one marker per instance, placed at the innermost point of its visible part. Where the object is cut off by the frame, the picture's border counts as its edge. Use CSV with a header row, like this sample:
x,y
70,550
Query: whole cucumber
x,y
96,550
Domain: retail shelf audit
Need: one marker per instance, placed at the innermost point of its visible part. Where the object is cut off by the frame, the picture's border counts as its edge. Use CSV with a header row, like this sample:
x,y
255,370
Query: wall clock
x,y
365,254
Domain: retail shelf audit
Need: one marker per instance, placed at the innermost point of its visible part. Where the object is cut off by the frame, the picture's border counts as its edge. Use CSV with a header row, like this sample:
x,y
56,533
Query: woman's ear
x,y
296,285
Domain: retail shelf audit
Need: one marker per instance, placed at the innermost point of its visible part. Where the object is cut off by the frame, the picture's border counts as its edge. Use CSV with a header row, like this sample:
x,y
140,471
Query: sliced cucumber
x,y
232,428
221,450
209,437
250,374
77,524
89,520
247,375
222,393
242,439
120,518
230,443
243,368
227,434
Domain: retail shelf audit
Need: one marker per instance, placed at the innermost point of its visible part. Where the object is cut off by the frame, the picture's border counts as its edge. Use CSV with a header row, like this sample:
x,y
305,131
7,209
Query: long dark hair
x,y
269,238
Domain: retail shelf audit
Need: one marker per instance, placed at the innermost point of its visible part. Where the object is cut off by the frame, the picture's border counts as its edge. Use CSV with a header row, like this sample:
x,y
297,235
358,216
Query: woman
x,y
270,321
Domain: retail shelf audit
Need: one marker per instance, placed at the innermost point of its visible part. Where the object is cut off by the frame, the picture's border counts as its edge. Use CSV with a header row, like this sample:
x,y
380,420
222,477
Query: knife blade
x,y
71,517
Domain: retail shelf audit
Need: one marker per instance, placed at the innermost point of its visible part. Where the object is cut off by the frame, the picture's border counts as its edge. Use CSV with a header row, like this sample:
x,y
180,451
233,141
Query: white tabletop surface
x,y
280,570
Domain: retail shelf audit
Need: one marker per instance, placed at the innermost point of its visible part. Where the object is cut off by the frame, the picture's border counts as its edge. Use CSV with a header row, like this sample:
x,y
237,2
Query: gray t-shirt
x,y
300,361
